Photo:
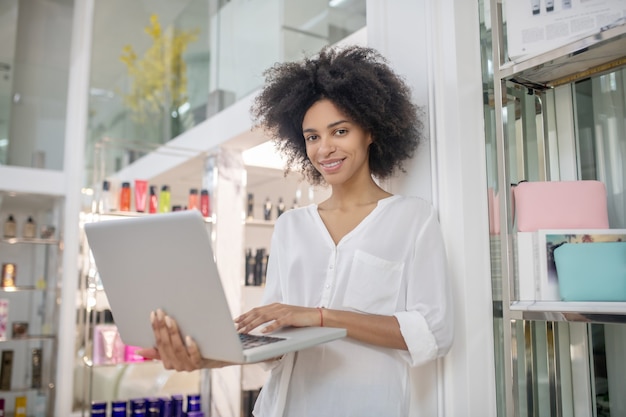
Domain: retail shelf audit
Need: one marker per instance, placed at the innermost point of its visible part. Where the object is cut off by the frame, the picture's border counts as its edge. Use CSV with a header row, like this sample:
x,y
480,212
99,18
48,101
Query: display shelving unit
x,y
546,356
124,380
33,301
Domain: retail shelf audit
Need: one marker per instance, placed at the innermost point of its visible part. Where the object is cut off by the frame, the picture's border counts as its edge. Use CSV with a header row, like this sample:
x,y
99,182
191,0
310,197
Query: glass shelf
x,y
33,241
258,222
29,338
570,311
89,363
595,54
28,288
125,214
19,390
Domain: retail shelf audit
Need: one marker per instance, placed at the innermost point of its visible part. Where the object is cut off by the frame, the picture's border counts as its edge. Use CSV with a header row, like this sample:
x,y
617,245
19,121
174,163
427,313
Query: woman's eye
x,y
341,132
310,138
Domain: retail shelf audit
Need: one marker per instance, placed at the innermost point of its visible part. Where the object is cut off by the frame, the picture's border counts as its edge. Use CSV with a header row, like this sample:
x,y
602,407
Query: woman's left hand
x,y
174,351
278,315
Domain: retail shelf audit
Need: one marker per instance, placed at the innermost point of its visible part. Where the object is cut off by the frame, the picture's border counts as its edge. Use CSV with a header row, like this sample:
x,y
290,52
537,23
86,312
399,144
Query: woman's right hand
x,y
172,350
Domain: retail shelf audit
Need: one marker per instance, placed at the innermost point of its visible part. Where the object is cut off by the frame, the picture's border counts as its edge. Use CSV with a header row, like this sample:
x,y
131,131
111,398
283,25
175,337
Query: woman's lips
x,y
330,166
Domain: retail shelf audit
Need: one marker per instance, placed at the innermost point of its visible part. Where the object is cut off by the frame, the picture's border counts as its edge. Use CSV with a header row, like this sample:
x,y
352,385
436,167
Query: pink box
x,y
108,347
130,354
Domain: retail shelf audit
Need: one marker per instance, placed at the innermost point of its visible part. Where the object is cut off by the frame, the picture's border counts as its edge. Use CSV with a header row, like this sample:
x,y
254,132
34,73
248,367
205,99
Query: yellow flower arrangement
x,y
159,79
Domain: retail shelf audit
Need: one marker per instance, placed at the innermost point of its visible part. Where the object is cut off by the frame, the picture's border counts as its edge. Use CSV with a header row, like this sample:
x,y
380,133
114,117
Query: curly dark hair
x,y
359,81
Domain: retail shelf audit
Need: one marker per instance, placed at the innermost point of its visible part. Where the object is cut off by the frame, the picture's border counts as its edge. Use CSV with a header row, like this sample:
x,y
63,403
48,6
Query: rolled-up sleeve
x,y
427,322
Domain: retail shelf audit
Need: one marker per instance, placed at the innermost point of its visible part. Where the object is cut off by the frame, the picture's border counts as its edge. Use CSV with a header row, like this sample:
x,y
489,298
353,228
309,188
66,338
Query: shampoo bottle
x,y
10,227
153,200
192,201
164,199
205,205
125,197
30,229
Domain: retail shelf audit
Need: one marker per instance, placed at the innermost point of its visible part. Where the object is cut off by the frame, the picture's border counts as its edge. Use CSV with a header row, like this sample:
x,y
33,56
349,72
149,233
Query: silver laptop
x,y
166,261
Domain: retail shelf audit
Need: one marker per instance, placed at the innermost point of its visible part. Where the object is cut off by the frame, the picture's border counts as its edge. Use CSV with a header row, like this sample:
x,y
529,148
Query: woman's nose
x,y
327,145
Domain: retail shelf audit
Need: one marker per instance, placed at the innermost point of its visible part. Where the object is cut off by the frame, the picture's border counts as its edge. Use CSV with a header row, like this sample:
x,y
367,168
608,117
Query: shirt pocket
x,y
373,284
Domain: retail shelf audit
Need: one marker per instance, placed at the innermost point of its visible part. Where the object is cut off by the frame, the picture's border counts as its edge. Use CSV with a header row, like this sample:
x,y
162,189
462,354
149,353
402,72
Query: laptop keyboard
x,y
252,340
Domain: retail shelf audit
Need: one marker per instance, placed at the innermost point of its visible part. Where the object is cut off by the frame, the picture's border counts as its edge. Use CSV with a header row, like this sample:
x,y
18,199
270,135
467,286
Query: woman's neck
x,y
354,195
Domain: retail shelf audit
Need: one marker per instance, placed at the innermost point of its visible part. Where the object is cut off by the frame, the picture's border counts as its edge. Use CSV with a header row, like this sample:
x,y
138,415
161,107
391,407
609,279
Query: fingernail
x,y
168,321
188,341
159,314
152,317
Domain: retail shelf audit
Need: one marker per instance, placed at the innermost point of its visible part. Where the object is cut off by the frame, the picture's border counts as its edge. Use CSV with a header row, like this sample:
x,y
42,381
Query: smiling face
x,y
336,146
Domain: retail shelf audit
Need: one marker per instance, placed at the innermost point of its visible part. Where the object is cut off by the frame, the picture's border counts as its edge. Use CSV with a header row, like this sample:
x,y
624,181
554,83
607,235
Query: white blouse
x,y
392,263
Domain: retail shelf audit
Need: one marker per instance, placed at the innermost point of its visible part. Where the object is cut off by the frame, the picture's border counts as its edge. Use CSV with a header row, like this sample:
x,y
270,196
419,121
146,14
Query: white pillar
x,y
76,128
435,45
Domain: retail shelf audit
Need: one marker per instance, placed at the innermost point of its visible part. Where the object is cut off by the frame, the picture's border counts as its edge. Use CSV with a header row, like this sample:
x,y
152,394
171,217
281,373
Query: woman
x,y
364,259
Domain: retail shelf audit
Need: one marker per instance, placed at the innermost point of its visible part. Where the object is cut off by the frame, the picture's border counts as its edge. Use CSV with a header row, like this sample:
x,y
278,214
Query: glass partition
x,y
149,70
8,31
161,67
34,74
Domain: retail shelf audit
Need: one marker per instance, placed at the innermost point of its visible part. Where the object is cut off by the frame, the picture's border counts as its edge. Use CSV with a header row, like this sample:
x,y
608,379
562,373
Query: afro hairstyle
x,y
356,79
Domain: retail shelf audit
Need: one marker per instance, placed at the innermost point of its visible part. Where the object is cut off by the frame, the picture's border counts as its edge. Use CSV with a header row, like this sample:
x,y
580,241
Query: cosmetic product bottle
x,y
141,191
152,407
153,200
138,407
295,203
177,405
249,267
258,266
10,227
30,229
4,318
280,207
549,5
20,406
118,408
266,259
6,370
125,197
98,409
205,204
193,403
164,199
107,201
9,272
107,345
165,407
267,209
192,201
567,4
250,207
40,404
36,369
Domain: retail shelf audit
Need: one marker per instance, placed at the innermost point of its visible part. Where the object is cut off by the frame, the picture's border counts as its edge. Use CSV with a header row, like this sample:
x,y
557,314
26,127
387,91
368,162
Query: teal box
x,y
593,271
